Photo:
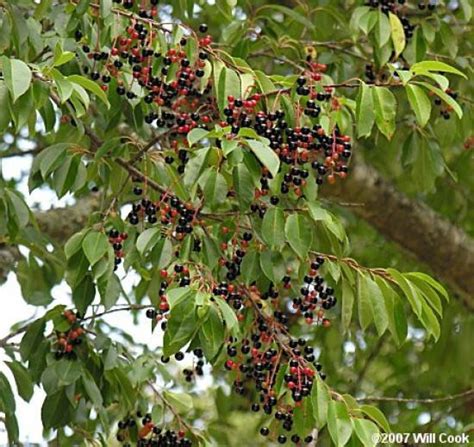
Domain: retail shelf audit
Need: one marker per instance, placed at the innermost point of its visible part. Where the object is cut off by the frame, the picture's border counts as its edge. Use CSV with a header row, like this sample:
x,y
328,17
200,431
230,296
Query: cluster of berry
x,y
148,434
66,341
116,240
171,211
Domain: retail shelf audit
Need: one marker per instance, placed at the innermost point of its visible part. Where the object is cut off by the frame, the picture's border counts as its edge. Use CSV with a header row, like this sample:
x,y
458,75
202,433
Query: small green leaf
x,y
212,334
339,423
32,339
92,389
229,85
17,76
347,304
435,284
266,156
91,86
364,306
397,33
105,8
320,397
229,316
419,102
365,116
366,431
376,415
385,107
182,402
273,228
83,294
196,135
52,157
23,380
299,234
383,30
445,97
95,245
408,290
423,66
214,188
148,239
182,325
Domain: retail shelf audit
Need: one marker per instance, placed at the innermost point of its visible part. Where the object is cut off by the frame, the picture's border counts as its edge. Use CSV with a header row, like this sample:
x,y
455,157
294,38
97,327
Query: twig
x,y
465,394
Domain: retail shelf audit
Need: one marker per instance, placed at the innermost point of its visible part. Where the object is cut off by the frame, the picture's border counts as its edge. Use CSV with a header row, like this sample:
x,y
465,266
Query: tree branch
x,y
468,394
442,246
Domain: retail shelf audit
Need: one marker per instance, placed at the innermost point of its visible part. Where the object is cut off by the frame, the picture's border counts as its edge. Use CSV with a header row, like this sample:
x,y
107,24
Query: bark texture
x,y
443,247
59,224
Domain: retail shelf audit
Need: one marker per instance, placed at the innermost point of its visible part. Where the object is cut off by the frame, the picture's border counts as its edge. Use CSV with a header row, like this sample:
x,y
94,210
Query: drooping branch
x,y
442,246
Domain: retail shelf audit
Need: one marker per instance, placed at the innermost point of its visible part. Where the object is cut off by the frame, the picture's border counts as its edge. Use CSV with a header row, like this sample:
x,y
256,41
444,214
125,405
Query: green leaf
x,y
229,85
91,388
435,284
67,372
397,33
408,290
17,76
265,155
148,239
419,102
397,322
162,254
250,267
83,294
295,15
18,205
339,423
366,431
383,30
214,188
424,66
74,244
196,167
273,226
56,410
364,305
6,394
244,186
229,316
196,135
52,157
377,304
347,304
105,8
95,245
385,110
428,293
182,325
445,97
212,334
376,415
299,234
23,380
111,292
91,86
32,339
320,397
181,401
429,320
365,116
273,265
5,117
